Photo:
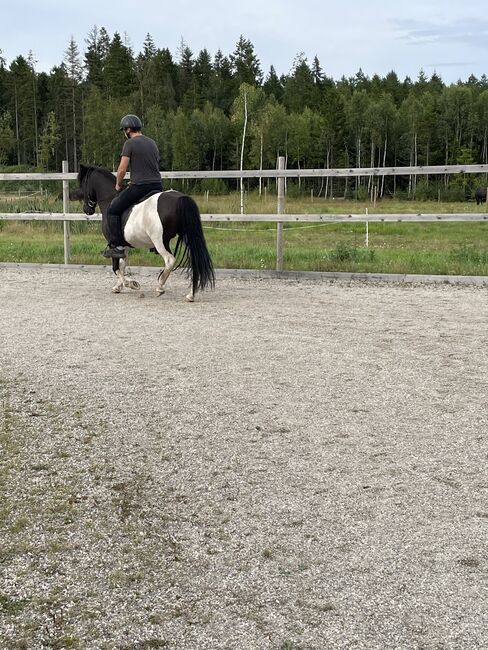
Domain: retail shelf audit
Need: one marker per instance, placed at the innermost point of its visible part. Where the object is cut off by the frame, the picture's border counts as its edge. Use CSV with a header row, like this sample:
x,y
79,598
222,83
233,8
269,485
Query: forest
x,y
222,111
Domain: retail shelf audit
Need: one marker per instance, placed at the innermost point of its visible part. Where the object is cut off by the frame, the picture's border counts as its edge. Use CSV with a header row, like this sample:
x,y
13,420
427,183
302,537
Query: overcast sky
x,y
449,37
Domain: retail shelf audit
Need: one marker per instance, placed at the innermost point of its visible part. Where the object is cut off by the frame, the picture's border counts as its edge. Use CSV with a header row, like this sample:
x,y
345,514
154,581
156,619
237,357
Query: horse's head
x,y
97,185
89,194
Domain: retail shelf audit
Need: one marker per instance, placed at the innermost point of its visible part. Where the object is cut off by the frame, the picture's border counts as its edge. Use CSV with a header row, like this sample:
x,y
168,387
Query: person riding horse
x,y
142,154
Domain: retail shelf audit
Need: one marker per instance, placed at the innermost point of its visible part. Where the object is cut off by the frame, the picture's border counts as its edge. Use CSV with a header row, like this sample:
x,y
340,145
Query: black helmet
x,y
130,122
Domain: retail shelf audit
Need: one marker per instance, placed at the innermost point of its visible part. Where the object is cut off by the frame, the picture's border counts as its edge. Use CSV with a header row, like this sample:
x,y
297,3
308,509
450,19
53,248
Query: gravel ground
x,y
280,465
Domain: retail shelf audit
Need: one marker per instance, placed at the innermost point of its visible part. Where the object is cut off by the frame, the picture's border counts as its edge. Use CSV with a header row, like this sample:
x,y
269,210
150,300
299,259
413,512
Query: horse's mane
x,y
86,170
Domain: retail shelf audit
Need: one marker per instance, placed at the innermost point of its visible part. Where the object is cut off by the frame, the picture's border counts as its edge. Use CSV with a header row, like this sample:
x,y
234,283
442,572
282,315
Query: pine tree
x,y
187,85
245,65
74,73
22,109
98,43
299,88
203,73
119,69
272,85
317,73
223,88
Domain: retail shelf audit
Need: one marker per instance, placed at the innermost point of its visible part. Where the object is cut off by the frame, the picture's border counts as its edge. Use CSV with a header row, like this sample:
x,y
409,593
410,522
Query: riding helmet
x,y
130,122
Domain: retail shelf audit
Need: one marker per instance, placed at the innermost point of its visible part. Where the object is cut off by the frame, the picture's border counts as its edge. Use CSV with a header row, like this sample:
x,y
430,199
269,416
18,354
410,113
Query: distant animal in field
x,y
480,195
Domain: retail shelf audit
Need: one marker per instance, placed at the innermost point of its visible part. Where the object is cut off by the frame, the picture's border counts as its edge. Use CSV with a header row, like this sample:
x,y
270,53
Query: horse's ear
x,y
82,172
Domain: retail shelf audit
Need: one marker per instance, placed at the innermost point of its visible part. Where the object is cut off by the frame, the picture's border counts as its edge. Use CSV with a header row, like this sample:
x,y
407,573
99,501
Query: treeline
x,y
221,112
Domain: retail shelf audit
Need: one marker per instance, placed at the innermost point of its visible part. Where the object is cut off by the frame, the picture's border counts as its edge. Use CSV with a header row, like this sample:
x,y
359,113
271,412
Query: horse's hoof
x,y
189,298
159,292
134,285
116,289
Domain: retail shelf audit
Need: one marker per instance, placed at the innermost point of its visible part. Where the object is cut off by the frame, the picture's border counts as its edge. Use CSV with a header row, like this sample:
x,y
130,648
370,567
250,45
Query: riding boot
x,y
115,247
115,230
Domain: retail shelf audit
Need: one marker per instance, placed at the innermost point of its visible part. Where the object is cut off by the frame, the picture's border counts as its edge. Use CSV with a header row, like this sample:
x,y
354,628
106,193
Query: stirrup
x,y
114,251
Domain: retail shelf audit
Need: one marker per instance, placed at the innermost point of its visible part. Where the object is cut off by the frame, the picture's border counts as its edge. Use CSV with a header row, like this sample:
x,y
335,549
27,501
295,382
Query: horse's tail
x,y
191,248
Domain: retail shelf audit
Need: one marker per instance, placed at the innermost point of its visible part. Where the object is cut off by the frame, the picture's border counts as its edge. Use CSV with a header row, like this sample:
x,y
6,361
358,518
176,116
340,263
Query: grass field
x,y
433,248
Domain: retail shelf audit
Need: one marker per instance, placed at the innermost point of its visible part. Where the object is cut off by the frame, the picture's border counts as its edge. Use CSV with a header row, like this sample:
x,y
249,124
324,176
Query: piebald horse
x,y
152,224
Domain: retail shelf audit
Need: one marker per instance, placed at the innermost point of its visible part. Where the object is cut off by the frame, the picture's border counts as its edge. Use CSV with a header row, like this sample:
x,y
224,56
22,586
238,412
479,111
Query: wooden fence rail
x,y
273,218
276,173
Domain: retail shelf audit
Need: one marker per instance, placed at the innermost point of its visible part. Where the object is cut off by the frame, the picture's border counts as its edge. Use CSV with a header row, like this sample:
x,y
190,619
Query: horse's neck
x,y
106,193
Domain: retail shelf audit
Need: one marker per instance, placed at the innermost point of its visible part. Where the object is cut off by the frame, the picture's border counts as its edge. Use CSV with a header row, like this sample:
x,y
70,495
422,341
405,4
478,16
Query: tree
x,y
48,142
269,132
455,106
299,90
22,107
203,74
119,69
246,108
98,43
356,117
156,73
185,150
165,80
410,112
74,74
245,65
103,143
223,86
380,119
272,85
7,138
482,110
159,125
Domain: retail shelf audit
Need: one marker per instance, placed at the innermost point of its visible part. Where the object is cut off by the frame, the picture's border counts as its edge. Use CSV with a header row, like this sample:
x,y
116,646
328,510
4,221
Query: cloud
x,y
467,31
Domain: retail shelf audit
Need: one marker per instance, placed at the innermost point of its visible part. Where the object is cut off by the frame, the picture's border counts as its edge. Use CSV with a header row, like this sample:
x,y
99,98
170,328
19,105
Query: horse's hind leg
x,y
169,262
190,296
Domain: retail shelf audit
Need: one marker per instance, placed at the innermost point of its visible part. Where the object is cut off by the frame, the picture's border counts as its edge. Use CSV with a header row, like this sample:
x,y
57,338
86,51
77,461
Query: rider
x,y
143,155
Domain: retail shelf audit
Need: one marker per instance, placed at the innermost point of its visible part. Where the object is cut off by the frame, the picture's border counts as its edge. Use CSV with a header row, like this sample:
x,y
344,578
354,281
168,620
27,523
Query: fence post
x,y
281,210
67,247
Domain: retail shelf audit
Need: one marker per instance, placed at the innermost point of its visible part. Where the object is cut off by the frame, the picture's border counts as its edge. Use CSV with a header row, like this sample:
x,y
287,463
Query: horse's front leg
x,y
119,266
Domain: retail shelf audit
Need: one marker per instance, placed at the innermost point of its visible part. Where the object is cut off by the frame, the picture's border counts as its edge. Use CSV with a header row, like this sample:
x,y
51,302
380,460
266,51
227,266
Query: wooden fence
x,y
280,217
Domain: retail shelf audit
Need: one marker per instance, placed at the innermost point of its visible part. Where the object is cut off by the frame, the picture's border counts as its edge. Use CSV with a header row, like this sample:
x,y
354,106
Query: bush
x,y
345,252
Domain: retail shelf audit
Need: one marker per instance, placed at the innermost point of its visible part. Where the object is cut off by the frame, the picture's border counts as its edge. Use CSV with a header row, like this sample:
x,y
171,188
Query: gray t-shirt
x,y
144,159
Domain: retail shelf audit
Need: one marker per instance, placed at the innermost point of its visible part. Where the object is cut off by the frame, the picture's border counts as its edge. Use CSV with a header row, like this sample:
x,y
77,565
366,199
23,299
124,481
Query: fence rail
x,y
275,173
320,218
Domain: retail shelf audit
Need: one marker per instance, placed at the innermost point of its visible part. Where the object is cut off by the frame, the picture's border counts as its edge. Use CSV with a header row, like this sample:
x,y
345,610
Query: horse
x,y
480,195
152,223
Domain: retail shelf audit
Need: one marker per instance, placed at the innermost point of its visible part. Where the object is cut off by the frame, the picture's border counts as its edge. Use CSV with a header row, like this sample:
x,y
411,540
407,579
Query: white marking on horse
x,y
145,230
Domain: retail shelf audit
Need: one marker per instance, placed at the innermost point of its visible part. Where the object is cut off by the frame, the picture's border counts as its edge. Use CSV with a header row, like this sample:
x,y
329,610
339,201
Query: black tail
x,y
191,249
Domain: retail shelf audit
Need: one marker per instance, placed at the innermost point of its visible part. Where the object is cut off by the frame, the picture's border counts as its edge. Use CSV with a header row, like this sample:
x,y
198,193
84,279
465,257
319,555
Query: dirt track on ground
x,y
281,465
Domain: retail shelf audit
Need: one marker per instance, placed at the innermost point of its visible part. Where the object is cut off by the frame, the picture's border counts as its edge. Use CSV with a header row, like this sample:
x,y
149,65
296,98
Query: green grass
x,y
428,248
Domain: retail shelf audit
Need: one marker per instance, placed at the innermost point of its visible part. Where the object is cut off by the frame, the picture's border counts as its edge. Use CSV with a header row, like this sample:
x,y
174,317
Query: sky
x,y
447,37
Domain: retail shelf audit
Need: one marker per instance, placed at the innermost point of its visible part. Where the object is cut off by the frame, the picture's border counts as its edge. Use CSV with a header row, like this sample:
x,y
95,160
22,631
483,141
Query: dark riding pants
x,y
121,202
